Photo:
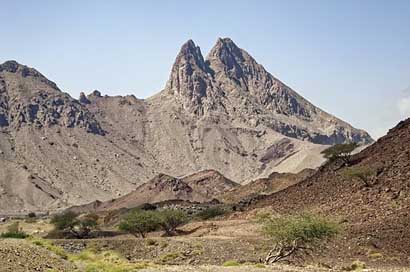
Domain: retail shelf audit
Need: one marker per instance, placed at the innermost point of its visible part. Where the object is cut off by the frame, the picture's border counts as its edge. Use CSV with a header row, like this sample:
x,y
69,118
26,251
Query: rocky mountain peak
x,y
28,98
190,78
19,70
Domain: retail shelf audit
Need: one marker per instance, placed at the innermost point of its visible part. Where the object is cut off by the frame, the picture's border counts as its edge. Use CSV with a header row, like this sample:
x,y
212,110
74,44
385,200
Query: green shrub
x,y
169,257
292,233
231,263
356,266
49,246
31,215
211,212
107,261
14,231
151,242
64,221
362,173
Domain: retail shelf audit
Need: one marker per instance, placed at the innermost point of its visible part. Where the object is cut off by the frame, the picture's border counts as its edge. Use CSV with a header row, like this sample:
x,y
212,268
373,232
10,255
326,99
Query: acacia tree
x,y
340,151
362,173
171,219
293,233
79,226
139,222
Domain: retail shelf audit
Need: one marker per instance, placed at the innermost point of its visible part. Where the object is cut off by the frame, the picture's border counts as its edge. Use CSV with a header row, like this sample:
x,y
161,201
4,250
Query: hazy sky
x,y
351,58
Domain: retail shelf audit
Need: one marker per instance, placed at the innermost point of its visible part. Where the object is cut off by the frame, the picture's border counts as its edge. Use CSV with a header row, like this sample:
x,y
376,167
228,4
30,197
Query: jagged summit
x,y
12,67
190,77
232,85
27,98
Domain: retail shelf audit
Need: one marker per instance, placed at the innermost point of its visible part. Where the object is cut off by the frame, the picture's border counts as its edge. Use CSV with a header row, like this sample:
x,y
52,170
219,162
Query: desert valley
x,y
225,169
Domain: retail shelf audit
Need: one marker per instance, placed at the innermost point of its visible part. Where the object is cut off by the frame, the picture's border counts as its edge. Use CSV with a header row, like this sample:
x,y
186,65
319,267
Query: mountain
x,y
198,187
275,182
222,112
377,215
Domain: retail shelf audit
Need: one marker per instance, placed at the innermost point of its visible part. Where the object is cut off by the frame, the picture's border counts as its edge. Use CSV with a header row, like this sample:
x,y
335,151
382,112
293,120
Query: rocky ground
x,y
21,255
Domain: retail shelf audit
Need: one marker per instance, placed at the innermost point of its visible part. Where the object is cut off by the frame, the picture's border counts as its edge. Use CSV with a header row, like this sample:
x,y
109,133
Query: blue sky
x,y
351,58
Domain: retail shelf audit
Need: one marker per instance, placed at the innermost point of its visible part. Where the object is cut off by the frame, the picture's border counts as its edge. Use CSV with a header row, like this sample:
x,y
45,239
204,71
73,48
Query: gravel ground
x,y
21,256
245,268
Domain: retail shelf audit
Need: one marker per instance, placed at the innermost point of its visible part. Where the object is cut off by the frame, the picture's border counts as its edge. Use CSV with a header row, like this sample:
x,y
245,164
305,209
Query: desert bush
x,y
151,242
107,261
64,221
49,246
79,226
140,222
211,212
231,263
31,215
356,266
340,151
170,220
14,231
293,233
362,173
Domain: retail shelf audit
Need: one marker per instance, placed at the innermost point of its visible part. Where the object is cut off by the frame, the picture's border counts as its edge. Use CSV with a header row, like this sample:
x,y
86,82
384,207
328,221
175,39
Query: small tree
x,y
211,212
139,222
86,224
79,226
31,215
362,173
291,234
14,231
340,151
64,221
170,220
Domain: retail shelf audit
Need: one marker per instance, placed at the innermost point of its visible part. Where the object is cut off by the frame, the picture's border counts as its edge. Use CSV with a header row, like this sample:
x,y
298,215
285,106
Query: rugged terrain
x,y
377,214
225,112
200,187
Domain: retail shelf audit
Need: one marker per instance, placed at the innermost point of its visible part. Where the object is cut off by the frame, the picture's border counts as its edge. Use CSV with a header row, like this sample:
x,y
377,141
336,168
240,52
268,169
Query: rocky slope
x,y
275,182
198,187
376,216
225,112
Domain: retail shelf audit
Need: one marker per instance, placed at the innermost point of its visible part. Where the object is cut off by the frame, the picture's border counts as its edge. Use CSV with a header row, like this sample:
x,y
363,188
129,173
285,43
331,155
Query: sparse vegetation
x,y
79,226
293,233
340,151
362,173
49,246
14,231
356,266
211,212
169,257
107,261
231,263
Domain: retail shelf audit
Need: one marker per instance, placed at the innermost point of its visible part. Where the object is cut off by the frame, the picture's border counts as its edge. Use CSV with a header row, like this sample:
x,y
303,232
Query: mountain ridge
x,y
210,115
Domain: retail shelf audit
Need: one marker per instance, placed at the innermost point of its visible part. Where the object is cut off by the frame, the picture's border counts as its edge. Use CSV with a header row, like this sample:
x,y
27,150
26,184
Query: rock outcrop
x,y
27,97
